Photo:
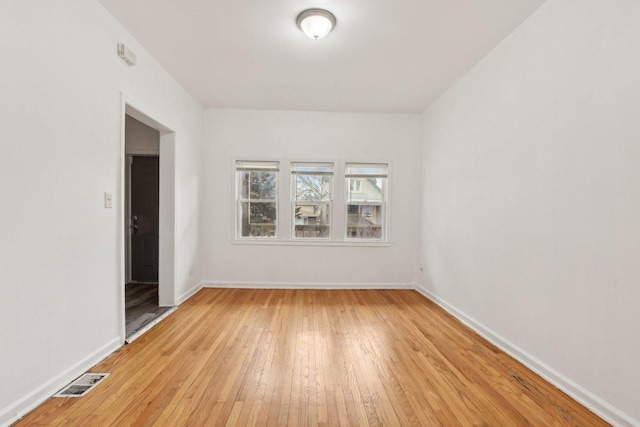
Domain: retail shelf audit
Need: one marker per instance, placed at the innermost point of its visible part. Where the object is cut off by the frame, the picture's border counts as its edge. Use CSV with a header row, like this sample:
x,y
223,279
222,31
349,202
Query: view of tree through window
x,y
257,198
311,184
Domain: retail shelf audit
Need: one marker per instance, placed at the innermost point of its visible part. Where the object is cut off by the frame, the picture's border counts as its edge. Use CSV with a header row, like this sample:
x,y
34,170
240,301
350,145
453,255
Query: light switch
x,y
108,200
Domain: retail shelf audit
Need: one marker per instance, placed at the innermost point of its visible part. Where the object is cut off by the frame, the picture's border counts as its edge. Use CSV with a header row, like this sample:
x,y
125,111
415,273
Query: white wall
x,y
308,136
531,199
60,130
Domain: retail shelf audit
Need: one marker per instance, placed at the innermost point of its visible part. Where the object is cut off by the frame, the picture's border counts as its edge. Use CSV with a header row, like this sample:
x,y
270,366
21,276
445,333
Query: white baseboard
x,y
298,285
191,292
27,403
596,405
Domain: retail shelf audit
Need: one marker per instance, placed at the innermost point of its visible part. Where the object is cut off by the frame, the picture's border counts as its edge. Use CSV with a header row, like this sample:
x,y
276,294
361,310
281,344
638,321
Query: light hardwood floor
x,y
313,357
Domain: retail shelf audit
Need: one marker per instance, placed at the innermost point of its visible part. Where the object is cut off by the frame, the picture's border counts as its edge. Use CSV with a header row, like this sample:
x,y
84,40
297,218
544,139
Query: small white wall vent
x,y
126,54
82,385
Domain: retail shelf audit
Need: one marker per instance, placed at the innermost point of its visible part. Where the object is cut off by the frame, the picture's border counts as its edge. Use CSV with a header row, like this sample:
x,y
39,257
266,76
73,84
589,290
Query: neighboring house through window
x,y
355,185
366,200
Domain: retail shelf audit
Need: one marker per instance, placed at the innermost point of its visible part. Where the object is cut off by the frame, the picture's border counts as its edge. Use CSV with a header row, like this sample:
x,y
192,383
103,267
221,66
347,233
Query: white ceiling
x,y
391,56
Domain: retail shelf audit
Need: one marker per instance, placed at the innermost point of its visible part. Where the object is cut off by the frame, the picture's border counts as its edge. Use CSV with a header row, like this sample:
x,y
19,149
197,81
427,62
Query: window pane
x,y
366,200
258,219
257,193
262,213
312,221
364,221
263,186
311,193
367,190
313,187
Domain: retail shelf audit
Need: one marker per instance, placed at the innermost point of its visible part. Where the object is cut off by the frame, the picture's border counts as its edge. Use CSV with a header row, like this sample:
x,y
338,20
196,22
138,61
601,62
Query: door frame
x,y
167,207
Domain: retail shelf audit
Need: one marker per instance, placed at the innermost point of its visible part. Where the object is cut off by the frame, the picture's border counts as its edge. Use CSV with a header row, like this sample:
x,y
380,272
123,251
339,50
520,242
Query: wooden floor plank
x,y
313,358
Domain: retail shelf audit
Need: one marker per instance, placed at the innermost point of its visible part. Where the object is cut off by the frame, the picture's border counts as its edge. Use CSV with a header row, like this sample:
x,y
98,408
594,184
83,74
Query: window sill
x,y
276,242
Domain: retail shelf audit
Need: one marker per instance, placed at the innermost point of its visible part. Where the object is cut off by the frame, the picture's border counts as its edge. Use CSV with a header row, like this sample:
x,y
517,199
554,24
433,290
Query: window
x,y
311,193
366,186
257,199
363,210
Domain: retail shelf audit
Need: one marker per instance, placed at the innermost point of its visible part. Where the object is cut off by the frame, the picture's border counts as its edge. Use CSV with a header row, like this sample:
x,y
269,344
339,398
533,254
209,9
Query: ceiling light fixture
x,y
316,23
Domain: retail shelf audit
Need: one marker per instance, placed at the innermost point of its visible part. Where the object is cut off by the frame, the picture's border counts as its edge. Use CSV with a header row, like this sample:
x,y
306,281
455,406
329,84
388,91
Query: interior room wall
x,y
308,136
531,199
61,130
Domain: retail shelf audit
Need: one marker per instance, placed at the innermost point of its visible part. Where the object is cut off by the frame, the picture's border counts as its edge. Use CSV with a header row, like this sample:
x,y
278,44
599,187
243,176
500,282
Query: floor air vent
x,y
82,385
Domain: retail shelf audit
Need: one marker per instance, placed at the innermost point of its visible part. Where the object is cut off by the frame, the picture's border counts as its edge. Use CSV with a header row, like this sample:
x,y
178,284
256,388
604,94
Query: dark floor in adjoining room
x,y
141,306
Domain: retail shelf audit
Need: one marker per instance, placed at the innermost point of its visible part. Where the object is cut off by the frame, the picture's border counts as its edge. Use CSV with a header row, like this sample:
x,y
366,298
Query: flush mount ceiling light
x,y
316,23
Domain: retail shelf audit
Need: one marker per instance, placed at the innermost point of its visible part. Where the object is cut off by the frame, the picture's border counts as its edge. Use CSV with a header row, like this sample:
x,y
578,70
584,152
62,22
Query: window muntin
x,y
257,207
311,193
365,202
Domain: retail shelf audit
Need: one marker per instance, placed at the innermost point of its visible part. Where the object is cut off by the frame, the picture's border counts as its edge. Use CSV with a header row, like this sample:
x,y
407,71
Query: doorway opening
x,y
148,293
